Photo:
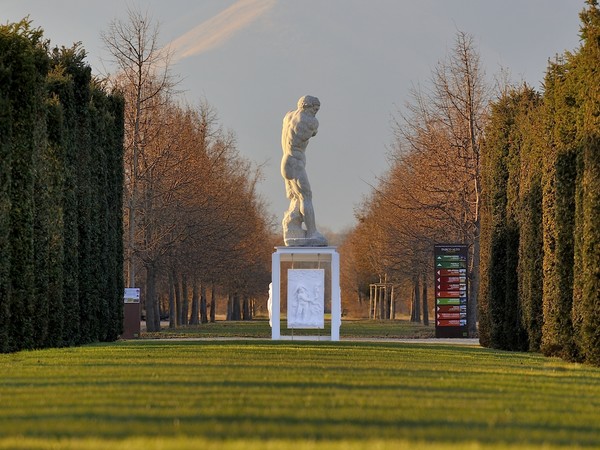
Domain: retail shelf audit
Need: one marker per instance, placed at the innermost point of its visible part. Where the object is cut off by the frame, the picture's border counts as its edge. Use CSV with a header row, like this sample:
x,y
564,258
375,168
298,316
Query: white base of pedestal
x,y
306,254
307,338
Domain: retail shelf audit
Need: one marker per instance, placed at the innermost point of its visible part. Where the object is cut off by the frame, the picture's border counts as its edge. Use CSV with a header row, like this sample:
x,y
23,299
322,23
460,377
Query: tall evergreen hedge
x,y
62,91
501,178
113,108
493,246
55,163
560,173
5,180
556,212
530,256
25,60
587,307
61,176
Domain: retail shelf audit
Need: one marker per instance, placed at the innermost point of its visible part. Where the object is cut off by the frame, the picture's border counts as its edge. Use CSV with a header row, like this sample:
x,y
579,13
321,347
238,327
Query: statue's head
x,y
308,101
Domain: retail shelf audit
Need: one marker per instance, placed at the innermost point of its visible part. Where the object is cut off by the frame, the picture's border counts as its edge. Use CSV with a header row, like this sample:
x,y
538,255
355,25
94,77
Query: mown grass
x,y
263,394
259,328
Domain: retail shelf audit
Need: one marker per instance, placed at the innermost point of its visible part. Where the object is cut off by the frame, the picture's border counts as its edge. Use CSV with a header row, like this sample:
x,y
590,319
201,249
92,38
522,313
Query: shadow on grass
x,y
216,426
264,390
259,328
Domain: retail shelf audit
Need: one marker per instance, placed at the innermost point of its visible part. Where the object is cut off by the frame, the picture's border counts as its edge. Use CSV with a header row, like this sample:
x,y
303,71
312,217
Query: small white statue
x,y
270,304
298,127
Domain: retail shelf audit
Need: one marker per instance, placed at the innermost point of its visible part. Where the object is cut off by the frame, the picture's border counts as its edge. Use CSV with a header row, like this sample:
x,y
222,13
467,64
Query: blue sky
x,y
252,60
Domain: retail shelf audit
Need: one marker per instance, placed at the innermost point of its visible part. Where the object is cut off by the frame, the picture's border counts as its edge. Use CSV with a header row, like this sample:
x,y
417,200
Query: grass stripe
x,y
164,394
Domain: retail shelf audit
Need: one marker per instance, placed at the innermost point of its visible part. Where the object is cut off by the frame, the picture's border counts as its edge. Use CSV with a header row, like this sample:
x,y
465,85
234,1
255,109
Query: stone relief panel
x,y
306,298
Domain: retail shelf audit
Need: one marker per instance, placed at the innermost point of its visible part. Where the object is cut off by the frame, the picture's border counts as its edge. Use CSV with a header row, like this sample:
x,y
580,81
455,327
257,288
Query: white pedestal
x,y
306,254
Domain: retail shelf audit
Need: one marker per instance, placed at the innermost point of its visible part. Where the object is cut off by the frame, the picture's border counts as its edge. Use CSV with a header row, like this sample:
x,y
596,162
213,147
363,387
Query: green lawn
x,y
297,395
259,328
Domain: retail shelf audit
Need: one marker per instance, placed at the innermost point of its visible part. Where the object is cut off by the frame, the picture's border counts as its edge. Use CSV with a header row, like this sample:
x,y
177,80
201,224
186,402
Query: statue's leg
x,y
301,210
306,205
308,213
292,219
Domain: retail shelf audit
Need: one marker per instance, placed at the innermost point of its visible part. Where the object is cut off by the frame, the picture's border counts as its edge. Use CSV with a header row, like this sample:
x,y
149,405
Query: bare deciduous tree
x,y
145,80
432,190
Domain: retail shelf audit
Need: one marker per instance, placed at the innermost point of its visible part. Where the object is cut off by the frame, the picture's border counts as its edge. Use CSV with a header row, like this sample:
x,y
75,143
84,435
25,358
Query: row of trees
x,y
540,241
432,190
517,179
61,178
194,222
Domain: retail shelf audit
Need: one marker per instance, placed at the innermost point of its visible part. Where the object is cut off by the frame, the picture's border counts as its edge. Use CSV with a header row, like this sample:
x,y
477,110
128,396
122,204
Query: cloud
x,y
215,31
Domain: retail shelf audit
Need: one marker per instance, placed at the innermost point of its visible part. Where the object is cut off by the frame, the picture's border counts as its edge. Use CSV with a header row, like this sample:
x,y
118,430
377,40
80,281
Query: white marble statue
x,y
298,127
270,304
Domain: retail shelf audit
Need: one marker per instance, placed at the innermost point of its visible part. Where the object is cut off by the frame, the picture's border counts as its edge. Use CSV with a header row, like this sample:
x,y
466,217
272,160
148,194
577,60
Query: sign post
x,y
451,293
131,314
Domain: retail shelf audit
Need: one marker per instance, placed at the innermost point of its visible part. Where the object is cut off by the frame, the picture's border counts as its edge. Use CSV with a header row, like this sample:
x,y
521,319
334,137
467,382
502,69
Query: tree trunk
x,y
156,308
177,299
246,308
229,307
236,310
194,319
412,306
388,303
425,301
416,301
473,289
185,306
203,316
172,310
152,321
213,304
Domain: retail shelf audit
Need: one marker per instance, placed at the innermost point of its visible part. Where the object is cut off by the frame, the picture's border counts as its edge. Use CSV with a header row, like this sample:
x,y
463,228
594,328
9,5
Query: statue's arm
x,y
314,126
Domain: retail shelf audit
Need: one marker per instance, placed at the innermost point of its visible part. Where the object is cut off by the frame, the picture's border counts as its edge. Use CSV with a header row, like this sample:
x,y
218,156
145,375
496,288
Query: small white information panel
x,y
306,298
132,295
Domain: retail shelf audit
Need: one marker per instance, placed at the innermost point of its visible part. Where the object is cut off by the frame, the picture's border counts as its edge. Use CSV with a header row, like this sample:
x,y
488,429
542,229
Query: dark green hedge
x,y
500,308
587,305
560,174
61,175
552,211
531,247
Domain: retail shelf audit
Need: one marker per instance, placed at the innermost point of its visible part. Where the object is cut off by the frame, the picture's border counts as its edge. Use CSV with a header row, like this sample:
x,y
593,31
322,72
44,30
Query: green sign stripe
x,y
448,301
450,265
449,258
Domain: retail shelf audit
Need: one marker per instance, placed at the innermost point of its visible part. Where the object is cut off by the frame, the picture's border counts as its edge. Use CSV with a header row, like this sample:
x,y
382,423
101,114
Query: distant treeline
x,y
540,239
61,181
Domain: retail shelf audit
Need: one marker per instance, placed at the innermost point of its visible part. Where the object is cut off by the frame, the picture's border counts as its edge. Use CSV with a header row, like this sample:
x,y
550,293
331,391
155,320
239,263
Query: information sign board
x,y
131,295
451,293
131,313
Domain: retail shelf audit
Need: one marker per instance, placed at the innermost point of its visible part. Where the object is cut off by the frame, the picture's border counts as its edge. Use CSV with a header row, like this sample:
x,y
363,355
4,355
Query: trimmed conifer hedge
x,y
555,216
501,308
588,303
61,177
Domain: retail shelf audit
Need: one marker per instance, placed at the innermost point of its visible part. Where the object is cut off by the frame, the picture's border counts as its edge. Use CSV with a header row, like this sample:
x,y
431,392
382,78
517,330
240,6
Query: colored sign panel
x,y
447,301
448,309
451,290
131,295
451,272
442,315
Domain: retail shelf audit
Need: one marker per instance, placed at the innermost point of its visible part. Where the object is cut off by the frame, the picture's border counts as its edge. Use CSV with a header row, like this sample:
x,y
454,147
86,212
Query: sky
x,y
251,60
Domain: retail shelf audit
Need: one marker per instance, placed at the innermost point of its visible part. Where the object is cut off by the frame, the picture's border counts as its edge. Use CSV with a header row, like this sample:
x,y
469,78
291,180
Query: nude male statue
x,y
298,127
